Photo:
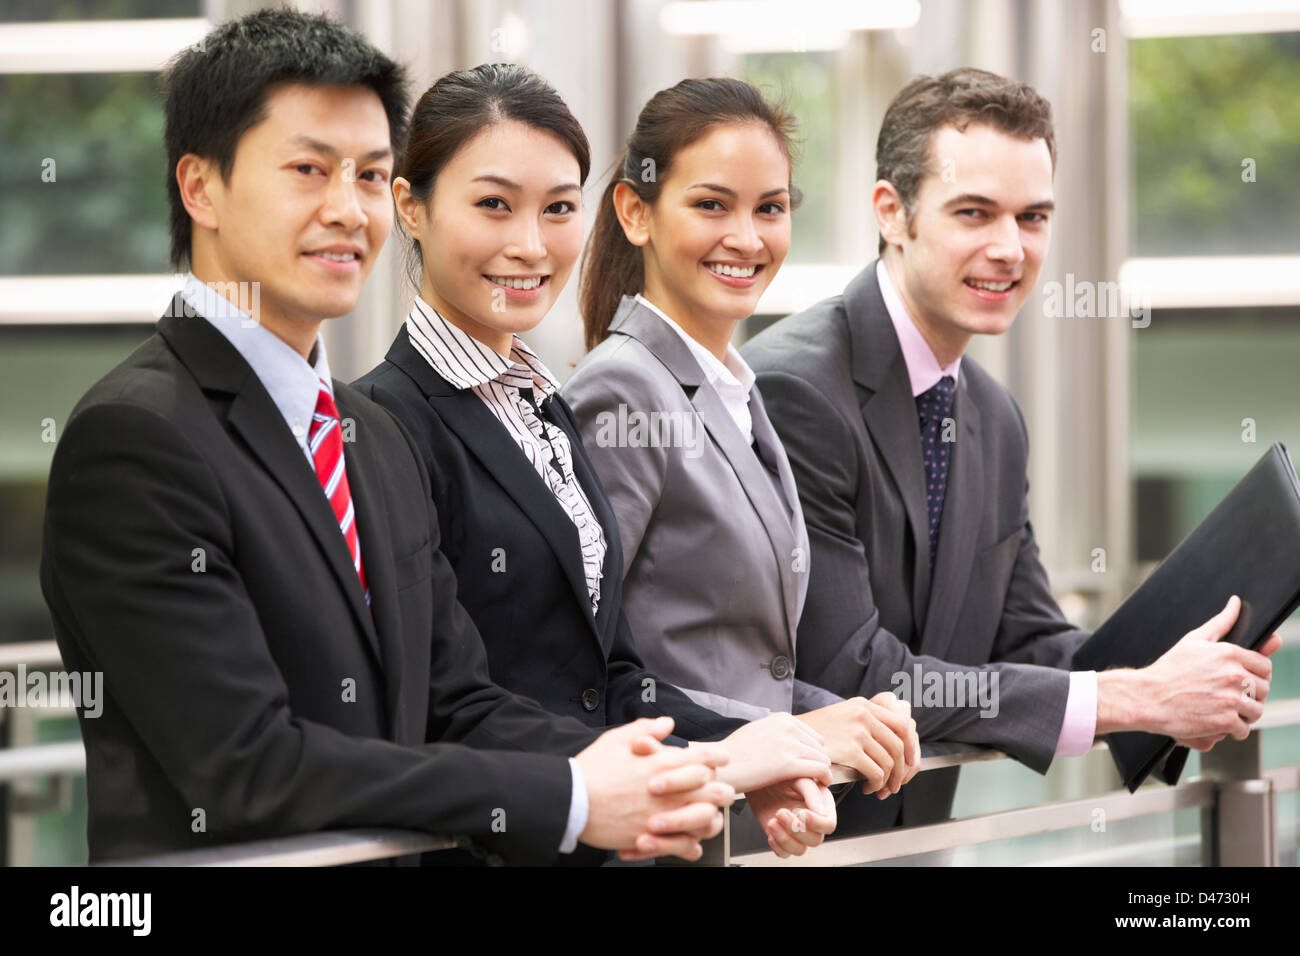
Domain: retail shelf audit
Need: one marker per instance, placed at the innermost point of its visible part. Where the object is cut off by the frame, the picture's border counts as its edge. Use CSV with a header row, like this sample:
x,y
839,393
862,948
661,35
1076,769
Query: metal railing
x,y
1237,797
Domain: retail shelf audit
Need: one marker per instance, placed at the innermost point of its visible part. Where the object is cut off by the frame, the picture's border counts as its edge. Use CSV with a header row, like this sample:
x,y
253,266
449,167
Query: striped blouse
x,y
513,390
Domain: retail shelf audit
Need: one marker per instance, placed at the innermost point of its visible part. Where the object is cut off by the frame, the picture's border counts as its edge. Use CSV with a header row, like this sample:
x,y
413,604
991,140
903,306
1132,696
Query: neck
x,y
498,341
713,334
300,334
947,344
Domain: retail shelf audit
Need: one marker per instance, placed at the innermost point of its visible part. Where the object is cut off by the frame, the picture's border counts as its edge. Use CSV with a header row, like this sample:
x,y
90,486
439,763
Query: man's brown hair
x,y
958,98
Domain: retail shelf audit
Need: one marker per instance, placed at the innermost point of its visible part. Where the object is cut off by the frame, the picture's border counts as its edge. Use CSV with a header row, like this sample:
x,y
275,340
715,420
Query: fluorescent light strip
x,y
96,46
773,17
1181,18
1215,281
85,300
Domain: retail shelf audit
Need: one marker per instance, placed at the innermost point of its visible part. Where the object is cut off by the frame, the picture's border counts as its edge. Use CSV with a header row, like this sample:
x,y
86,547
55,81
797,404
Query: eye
x,y
494,203
971,213
307,168
772,208
561,207
1034,218
709,205
377,175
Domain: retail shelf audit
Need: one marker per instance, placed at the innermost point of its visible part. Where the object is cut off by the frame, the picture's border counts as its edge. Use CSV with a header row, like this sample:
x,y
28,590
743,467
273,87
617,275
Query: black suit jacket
x,y
837,389
518,561
191,556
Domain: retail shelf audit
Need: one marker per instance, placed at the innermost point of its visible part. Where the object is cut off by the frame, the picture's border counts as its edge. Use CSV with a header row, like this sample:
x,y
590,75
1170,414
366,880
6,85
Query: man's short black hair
x,y
216,91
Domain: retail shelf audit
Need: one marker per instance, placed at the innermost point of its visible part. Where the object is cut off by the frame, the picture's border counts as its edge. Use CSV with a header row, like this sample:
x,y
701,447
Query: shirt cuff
x,y
1080,724
578,810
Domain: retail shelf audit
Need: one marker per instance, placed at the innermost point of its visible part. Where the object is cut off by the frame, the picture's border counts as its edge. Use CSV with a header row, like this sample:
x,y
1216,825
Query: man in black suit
x,y
911,465
244,547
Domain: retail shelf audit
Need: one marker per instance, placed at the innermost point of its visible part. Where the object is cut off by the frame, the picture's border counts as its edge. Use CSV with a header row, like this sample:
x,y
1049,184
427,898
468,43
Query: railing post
x,y
1240,829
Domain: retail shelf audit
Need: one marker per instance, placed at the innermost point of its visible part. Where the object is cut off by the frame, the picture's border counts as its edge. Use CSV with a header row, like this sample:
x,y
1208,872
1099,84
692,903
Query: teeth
x,y
735,271
513,283
990,286
337,256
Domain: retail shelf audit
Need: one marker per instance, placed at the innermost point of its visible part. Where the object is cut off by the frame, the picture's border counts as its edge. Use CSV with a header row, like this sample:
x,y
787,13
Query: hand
x,y
795,815
1199,691
646,799
778,747
869,736
1204,744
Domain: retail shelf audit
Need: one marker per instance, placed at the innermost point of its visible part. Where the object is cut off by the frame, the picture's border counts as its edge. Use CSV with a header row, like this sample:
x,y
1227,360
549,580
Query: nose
x,y
526,243
743,239
1004,244
342,206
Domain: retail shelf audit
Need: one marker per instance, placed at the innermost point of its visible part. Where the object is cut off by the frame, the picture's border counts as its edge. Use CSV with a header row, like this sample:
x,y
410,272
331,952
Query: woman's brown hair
x,y
672,120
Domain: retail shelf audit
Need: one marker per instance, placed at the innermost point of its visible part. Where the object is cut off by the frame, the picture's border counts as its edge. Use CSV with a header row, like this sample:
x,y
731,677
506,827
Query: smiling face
x,y
971,253
306,209
500,233
718,232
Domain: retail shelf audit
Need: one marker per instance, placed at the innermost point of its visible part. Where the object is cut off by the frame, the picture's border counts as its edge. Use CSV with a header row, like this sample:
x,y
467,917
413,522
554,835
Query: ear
x,y
409,209
891,217
199,179
633,214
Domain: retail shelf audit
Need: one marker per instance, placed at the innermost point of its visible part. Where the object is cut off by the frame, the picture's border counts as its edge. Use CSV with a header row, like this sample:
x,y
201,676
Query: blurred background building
x,y
1178,130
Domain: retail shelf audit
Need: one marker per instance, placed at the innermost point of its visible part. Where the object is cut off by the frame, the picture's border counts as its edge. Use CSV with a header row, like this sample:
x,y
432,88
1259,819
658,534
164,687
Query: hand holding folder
x,y
1248,546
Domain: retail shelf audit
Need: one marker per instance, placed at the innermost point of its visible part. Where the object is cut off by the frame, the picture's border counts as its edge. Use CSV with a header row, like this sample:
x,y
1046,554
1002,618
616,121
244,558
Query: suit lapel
x,y
889,411
217,365
958,528
479,430
648,328
376,555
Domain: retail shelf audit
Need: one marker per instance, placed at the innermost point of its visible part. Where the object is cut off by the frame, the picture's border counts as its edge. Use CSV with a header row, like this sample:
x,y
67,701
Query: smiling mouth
x,y
986,286
335,256
518,283
734,272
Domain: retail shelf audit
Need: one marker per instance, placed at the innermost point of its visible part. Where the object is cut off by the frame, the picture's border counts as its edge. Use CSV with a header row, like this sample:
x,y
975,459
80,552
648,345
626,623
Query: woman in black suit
x,y
489,188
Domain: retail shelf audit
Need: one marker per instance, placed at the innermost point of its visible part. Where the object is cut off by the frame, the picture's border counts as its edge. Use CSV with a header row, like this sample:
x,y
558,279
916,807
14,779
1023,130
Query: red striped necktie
x,y
325,440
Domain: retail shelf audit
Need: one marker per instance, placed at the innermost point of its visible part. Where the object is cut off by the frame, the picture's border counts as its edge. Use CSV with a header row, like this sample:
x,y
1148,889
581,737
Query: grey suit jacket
x,y
714,544
839,395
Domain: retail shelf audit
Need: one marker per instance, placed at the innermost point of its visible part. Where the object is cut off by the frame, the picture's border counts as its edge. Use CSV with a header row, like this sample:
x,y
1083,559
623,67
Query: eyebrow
x,y
326,149
511,184
975,199
732,193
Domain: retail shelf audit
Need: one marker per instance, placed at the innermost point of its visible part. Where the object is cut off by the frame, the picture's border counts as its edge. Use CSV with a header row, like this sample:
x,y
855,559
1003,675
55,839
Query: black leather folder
x,y
1249,545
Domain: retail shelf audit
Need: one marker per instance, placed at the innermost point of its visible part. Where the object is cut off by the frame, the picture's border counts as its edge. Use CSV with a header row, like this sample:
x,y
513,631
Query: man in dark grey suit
x,y
911,461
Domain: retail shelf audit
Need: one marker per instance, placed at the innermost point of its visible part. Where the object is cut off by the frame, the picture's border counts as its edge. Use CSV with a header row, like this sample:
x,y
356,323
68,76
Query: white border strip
x,y
86,300
96,46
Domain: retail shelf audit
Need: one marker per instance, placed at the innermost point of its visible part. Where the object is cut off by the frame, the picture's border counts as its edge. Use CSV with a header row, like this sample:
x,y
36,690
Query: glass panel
x,y
804,83
18,11
82,174
1201,108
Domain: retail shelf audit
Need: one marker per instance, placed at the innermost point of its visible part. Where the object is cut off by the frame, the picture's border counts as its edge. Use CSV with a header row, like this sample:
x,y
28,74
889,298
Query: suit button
x,y
590,699
780,667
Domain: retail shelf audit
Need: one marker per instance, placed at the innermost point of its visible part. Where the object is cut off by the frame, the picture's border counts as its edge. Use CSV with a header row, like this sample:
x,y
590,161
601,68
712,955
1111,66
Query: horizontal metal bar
x,y
32,653
21,763
335,848
1023,821
1284,778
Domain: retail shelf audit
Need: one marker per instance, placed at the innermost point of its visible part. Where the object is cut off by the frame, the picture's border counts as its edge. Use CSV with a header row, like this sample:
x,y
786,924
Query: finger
x,y
694,817
686,847
1250,709
1219,625
1255,663
645,746
714,755
680,779
781,833
818,770
821,817
1271,646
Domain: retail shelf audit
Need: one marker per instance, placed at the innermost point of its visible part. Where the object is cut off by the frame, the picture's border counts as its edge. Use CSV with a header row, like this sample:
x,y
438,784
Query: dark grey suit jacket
x,y
838,392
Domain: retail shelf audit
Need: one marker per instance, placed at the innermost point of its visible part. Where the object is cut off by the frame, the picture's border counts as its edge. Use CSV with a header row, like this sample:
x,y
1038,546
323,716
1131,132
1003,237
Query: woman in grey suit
x,y
686,239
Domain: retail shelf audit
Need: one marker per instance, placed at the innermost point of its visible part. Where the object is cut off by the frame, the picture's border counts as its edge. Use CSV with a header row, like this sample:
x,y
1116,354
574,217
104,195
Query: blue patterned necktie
x,y
932,407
